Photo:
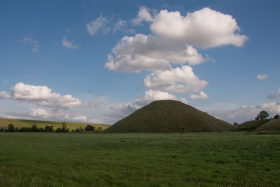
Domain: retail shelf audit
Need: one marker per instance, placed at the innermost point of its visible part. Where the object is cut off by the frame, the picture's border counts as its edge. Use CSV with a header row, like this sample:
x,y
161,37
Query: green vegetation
x,y
251,125
169,116
271,126
183,159
42,124
262,115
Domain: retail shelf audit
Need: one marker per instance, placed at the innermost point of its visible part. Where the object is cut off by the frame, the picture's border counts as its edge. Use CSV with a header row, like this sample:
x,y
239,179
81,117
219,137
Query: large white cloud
x,y
43,96
172,40
149,96
178,80
270,96
143,52
204,28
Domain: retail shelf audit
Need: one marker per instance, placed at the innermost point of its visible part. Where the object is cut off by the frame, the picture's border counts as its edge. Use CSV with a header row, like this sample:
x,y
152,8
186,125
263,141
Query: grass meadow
x,y
90,159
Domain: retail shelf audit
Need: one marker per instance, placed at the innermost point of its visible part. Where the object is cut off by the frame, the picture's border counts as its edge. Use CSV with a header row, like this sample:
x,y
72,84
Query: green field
x,y
91,159
41,124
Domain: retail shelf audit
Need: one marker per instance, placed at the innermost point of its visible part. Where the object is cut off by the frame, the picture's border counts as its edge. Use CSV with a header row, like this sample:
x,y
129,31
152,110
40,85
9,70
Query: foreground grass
x,y
88,159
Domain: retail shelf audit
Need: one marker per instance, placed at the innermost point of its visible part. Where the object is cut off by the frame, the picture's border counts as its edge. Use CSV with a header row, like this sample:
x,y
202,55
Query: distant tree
x,y
11,128
58,130
64,127
90,128
235,123
99,129
1,129
41,129
262,115
49,129
34,128
81,129
276,116
24,129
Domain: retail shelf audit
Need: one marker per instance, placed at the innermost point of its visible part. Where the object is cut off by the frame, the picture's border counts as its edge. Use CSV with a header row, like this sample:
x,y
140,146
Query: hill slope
x,y
272,125
251,125
169,116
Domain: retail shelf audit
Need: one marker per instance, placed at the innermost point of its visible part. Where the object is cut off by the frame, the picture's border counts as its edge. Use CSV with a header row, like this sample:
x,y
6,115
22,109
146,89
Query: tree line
x,y
63,128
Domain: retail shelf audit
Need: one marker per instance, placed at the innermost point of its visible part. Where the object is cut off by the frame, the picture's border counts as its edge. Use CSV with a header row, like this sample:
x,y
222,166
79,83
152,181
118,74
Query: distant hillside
x,y
41,124
169,116
272,125
251,125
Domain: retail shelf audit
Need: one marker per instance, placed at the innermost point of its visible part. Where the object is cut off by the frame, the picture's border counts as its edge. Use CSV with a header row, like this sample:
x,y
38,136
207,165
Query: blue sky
x,y
98,61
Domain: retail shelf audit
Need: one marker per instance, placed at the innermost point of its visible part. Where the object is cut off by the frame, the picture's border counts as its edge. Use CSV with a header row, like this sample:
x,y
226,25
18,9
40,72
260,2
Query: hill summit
x,y
168,116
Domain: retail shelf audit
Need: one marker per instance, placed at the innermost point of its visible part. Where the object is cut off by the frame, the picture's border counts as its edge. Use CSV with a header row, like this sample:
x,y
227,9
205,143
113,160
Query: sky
x,y
97,61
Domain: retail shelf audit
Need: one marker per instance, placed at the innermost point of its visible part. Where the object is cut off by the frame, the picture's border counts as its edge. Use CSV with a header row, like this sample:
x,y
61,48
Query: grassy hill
x,y
41,124
251,125
169,116
272,125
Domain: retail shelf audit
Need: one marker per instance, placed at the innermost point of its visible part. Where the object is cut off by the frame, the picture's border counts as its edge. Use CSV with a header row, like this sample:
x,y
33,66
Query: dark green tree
x,y
11,128
90,128
49,129
276,116
262,115
34,128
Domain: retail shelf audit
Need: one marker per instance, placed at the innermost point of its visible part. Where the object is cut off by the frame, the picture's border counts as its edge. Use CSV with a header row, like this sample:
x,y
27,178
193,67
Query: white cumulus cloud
x,y
270,96
41,96
262,76
69,44
39,112
141,52
179,80
205,28
173,39
201,96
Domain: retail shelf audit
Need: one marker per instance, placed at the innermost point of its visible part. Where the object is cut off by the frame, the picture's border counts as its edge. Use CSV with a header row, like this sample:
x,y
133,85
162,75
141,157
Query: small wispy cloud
x,y
69,44
262,76
274,95
33,42
98,24
5,81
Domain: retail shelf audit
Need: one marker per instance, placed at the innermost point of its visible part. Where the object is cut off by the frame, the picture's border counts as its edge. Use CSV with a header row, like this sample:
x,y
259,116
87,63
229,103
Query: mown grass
x,y
41,124
89,159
